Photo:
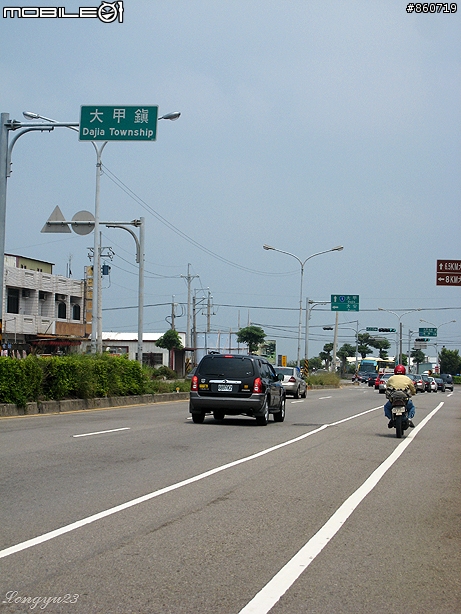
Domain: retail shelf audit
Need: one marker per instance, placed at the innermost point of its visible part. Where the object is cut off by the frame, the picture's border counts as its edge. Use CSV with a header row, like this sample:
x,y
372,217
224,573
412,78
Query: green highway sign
x,y
99,123
372,329
428,332
344,302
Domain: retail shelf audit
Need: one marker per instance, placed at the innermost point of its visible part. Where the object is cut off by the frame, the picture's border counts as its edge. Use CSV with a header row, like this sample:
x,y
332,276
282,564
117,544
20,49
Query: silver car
x,y
383,382
292,381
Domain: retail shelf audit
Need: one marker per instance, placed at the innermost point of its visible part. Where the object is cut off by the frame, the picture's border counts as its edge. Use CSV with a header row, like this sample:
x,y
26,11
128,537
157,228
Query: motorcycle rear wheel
x,y
398,427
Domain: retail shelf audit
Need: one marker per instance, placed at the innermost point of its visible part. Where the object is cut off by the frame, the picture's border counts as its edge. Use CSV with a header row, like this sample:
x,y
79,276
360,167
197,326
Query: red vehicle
x,y
377,380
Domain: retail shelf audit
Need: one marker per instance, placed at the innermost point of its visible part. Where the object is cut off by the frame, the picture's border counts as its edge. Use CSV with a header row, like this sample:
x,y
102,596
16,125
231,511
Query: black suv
x,y
236,384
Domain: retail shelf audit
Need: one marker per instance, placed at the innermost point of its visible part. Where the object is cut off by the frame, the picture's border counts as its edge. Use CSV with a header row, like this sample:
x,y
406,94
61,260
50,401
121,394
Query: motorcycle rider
x,y
400,381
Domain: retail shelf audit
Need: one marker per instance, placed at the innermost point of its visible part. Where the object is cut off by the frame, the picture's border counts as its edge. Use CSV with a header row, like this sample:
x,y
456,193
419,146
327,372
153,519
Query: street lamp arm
x,y
281,251
333,249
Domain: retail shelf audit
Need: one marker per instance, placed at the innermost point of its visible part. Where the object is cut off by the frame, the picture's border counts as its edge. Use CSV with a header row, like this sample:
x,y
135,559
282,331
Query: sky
x,y
304,125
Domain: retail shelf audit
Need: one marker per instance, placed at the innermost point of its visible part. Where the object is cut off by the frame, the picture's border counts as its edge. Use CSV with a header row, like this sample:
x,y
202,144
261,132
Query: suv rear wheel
x,y
264,419
280,415
198,418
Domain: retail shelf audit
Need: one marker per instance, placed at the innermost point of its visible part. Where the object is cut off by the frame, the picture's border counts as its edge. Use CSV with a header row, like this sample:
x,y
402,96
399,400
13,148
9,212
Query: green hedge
x,y
69,377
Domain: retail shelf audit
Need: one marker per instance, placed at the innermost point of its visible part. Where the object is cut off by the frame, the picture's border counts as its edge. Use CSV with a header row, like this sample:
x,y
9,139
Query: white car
x,y
292,381
383,382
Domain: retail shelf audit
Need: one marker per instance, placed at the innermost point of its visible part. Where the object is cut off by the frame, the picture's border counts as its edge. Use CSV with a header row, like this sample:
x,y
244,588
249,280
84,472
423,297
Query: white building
x,y
127,343
40,309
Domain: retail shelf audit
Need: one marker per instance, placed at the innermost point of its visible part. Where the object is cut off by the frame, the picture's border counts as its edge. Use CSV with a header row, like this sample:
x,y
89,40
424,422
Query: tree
x,y
344,352
381,345
326,354
418,357
364,342
450,361
170,340
253,336
315,363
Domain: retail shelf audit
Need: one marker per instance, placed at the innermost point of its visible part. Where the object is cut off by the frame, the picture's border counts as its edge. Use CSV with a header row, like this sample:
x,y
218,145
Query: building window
x,y
62,311
75,312
12,304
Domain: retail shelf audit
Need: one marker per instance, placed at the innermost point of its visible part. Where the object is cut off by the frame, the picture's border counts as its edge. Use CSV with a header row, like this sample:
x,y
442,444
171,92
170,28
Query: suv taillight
x,y
257,385
194,383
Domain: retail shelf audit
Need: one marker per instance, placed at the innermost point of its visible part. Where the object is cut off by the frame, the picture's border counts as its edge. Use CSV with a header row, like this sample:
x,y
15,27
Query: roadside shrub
x,y
324,379
69,377
163,373
20,380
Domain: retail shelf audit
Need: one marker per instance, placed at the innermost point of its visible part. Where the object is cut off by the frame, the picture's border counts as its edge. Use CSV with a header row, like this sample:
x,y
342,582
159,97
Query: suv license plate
x,y
224,387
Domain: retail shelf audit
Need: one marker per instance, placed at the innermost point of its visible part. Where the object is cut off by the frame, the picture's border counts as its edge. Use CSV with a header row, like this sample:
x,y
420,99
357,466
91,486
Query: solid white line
x,y
267,597
84,521
125,428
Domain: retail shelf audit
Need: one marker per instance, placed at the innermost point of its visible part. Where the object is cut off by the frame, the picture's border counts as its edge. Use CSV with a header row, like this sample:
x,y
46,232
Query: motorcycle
x,y
399,399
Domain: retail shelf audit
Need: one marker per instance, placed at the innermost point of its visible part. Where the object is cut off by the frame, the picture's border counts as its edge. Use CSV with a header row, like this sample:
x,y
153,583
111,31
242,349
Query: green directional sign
x,y
428,332
122,123
344,302
372,329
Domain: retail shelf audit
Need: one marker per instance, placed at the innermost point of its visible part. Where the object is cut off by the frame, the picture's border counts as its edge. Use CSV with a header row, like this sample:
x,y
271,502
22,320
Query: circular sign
x,y
85,221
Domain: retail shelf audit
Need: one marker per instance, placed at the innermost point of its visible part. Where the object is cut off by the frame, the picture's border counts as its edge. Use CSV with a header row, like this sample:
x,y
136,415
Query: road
x,y
138,510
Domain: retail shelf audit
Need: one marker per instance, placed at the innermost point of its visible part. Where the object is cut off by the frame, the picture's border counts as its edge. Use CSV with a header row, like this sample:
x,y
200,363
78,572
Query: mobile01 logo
x,y
107,12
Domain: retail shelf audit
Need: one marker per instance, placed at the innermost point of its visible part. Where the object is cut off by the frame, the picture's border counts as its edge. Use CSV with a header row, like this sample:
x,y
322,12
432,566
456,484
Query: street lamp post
x,y
302,263
399,334
308,317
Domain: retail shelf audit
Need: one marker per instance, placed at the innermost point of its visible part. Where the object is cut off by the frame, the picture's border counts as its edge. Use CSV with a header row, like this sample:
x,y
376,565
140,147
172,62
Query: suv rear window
x,y
220,366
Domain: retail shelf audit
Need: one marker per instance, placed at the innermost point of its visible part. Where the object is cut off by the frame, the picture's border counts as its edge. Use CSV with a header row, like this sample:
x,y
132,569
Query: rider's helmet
x,y
400,370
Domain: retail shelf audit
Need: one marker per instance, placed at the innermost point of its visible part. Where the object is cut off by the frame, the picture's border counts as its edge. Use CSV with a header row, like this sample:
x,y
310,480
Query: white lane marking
x,y
320,398
301,401
125,428
267,597
118,508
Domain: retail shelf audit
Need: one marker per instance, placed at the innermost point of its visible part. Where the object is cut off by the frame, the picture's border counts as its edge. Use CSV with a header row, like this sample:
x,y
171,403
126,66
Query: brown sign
x,y
448,273
449,266
448,280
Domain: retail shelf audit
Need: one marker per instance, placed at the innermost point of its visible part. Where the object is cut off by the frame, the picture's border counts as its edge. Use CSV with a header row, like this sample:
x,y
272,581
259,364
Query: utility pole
x,y
189,279
335,343
172,313
208,313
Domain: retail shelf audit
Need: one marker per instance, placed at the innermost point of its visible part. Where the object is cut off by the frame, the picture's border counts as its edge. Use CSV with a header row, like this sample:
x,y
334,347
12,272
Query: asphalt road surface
x,y
138,510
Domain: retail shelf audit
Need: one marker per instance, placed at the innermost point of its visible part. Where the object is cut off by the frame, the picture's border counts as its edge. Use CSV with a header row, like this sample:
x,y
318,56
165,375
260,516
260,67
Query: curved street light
x,y
400,328
338,248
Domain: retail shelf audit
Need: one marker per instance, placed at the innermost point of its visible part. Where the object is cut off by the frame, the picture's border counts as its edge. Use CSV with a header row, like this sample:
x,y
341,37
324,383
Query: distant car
x,y
372,379
362,376
430,383
417,381
448,379
440,384
377,380
383,382
292,381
